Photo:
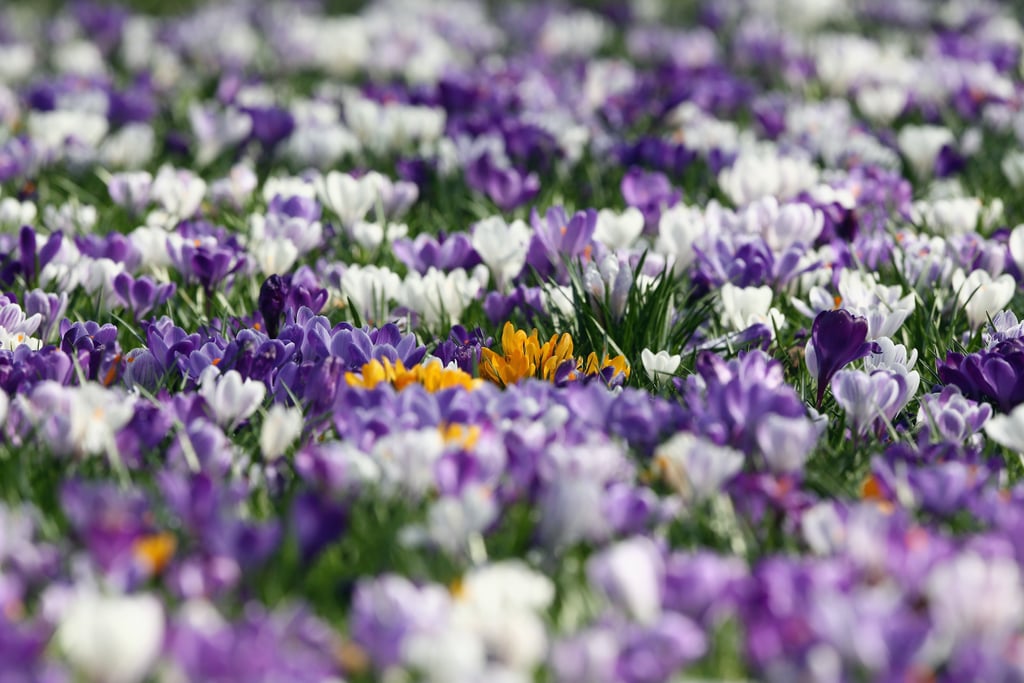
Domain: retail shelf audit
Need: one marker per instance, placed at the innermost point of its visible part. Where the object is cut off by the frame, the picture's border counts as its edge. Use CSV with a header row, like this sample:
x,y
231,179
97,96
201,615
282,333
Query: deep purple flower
x,y
95,347
142,295
206,262
995,375
837,339
273,294
506,187
270,125
463,348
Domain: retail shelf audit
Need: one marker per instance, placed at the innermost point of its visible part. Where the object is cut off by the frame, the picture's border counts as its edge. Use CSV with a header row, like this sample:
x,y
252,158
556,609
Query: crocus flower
x,y
696,467
280,428
659,364
981,295
231,399
110,637
866,398
502,247
837,339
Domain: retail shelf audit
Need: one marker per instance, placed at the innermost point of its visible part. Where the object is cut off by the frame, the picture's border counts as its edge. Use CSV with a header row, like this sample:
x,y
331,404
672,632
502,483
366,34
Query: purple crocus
x,y
444,252
142,295
463,348
505,186
651,192
995,375
837,339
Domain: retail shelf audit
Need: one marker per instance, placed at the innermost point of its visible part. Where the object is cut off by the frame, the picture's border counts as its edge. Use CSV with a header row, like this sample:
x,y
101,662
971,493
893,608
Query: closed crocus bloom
x,y
865,398
280,428
502,247
113,639
837,339
921,145
659,364
743,307
349,198
982,296
630,574
230,398
618,230
1008,430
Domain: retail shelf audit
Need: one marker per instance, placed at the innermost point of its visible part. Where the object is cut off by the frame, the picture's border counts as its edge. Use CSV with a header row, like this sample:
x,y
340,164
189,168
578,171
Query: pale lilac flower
x,y
630,574
867,397
787,442
696,467
974,596
179,192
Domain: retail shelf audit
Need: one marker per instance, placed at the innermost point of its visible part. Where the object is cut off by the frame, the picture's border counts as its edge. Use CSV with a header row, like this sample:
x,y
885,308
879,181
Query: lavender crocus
x,y
837,339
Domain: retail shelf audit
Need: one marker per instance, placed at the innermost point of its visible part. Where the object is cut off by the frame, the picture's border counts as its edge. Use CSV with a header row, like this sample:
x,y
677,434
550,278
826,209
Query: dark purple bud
x,y
837,339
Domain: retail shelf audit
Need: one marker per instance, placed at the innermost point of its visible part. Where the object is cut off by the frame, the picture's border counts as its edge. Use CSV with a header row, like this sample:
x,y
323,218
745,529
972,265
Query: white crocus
x,y
661,364
618,230
948,216
179,192
696,467
1008,430
280,428
746,306
503,604
982,296
921,145
764,173
680,229
439,296
370,289
275,256
1016,244
502,247
895,358
348,197
1013,167
97,413
882,102
114,639
231,399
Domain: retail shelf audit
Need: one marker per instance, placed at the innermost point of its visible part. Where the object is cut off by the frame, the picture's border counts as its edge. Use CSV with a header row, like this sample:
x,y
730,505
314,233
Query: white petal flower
x,y
280,428
921,146
660,364
115,639
618,230
348,197
1008,430
275,256
981,296
231,399
502,247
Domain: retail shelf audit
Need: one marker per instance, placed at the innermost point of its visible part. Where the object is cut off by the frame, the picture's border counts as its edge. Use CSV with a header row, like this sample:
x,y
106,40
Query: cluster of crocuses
x,y
462,342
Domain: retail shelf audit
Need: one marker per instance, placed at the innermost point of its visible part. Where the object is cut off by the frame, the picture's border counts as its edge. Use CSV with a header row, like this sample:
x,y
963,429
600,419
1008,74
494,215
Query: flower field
x,y
472,342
